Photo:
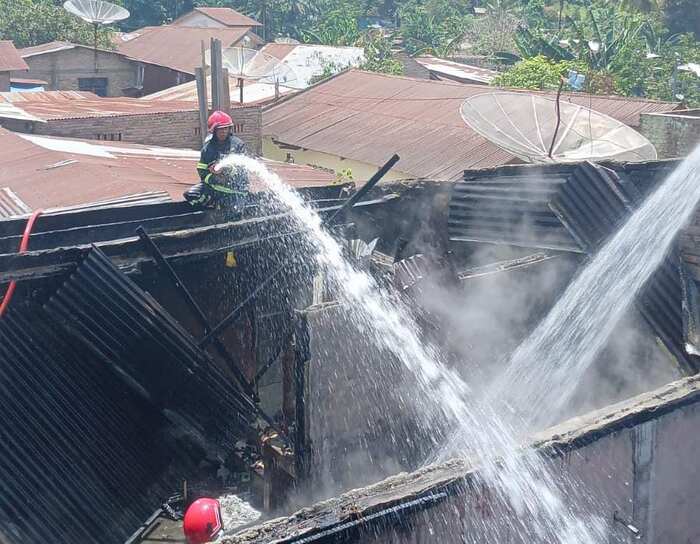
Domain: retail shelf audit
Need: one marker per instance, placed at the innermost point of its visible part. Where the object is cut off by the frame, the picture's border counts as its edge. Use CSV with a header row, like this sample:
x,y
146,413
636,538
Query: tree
x,y
33,22
537,73
337,26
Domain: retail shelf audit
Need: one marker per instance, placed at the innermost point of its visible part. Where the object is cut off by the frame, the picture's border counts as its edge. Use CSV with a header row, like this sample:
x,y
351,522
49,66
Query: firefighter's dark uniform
x,y
229,187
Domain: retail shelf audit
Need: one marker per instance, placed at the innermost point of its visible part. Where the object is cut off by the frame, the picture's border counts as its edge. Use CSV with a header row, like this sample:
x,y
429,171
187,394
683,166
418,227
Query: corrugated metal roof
x,y
53,47
456,71
228,16
368,116
572,207
253,92
309,60
52,105
11,205
47,172
176,47
10,59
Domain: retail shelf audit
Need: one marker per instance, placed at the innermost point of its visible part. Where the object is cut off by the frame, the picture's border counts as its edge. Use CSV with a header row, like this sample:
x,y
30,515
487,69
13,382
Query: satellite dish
x,y
251,65
96,11
526,126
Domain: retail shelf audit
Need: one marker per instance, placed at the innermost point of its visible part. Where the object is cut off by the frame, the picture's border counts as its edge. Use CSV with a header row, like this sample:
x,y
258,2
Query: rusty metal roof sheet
x,y
47,172
367,116
228,16
456,71
10,59
176,47
11,205
254,92
53,105
54,47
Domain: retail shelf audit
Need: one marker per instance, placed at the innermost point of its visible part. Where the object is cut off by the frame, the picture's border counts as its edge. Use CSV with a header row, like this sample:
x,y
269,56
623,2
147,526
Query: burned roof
x,y
367,116
10,59
51,172
54,105
176,47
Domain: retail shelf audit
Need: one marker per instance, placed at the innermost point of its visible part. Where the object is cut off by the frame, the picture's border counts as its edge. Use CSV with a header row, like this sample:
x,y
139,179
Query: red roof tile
x,y
10,59
367,117
176,47
51,172
228,16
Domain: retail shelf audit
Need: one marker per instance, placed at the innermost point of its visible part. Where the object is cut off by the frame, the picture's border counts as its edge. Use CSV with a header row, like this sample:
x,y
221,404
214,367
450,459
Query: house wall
x,y
674,135
170,129
62,69
360,171
156,78
635,461
4,82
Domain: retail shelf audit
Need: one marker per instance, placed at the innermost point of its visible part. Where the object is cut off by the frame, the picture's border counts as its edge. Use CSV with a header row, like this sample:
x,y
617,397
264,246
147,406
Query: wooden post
x,y
215,75
226,94
201,78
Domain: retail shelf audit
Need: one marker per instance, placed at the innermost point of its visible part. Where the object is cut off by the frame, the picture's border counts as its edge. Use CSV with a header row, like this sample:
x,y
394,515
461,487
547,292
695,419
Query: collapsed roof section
x,y
575,208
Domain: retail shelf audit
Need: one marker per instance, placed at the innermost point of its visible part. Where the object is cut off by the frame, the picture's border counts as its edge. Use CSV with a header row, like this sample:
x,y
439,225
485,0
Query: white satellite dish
x,y
526,126
96,11
251,65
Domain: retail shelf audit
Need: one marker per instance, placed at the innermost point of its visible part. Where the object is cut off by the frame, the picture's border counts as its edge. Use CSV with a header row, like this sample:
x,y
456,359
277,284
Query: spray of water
x,y
550,363
522,480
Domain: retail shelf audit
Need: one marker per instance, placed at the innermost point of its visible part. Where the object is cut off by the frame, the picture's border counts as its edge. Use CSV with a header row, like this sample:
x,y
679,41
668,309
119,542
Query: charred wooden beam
x,y
188,243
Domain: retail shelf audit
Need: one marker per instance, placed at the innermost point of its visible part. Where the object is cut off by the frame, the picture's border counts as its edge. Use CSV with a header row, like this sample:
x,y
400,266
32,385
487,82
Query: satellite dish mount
x,y
96,12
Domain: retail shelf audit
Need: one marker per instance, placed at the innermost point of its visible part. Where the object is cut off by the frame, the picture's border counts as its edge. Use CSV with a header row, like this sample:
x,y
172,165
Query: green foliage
x,y
537,73
423,32
378,56
33,22
338,26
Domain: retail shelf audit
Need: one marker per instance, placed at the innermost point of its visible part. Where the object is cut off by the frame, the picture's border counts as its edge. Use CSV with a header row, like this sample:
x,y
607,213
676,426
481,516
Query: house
x,y
357,120
84,115
66,66
309,61
204,17
169,54
10,61
69,172
444,69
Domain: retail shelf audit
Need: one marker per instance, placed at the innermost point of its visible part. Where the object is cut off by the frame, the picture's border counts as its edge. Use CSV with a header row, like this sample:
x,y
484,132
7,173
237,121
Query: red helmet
x,y
202,521
219,119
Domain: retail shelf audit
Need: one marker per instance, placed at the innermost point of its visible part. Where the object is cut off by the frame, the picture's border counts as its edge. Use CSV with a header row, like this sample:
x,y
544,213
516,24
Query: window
x,y
111,137
97,85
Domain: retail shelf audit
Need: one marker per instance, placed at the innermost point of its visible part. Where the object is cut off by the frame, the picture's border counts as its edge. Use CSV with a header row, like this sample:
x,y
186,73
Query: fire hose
x,y
23,246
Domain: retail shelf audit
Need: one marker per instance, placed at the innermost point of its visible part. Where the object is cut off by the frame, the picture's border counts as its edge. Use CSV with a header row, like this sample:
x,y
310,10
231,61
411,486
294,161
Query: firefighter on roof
x,y
230,185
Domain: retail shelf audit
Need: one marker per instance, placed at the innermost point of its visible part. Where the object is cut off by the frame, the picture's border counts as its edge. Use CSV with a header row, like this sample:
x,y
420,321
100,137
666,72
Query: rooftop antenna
x,y
96,12
251,65
530,127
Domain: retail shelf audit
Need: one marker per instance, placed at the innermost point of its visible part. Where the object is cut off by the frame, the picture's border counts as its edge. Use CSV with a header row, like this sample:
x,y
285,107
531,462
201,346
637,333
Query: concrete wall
x,y
4,82
156,78
361,171
636,460
674,134
170,129
62,69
